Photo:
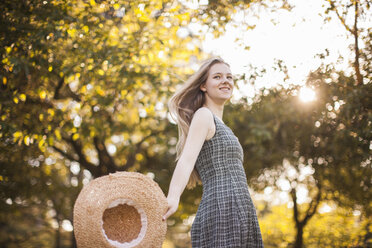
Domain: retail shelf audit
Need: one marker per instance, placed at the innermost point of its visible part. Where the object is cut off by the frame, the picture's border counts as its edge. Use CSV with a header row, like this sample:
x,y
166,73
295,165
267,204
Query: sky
x,y
295,37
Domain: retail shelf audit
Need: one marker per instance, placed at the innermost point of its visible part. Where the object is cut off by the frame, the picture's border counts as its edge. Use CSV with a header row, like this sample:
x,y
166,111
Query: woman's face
x,y
220,83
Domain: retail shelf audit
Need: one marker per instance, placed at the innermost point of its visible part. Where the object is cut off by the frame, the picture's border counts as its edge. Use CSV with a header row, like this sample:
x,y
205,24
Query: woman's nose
x,y
226,80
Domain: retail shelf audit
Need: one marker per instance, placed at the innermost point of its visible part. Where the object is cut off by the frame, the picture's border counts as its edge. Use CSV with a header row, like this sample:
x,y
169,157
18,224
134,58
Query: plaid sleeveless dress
x,y
226,216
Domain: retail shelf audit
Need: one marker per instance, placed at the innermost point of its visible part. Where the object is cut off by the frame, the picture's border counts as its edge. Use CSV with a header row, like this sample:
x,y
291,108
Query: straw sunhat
x,y
123,209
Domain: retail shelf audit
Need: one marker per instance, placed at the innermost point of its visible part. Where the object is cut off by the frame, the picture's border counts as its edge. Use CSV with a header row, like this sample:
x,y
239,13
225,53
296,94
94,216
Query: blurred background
x,y
84,87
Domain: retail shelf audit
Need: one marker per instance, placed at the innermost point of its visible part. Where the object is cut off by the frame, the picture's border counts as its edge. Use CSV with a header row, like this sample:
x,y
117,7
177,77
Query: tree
x,y
331,135
336,227
341,10
329,138
86,83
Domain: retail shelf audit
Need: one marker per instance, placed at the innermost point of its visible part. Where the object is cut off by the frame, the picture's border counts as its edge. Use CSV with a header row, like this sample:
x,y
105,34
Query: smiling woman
x,y
220,80
209,152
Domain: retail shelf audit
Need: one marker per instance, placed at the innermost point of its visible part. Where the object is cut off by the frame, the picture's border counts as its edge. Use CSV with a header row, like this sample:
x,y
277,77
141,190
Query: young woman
x,y
210,153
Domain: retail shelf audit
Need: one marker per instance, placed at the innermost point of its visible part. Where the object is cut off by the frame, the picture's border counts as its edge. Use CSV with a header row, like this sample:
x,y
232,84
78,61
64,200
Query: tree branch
x,y
59,86
295,207
339,16
82,159
105,160
132,156
313,206
64,154
356,46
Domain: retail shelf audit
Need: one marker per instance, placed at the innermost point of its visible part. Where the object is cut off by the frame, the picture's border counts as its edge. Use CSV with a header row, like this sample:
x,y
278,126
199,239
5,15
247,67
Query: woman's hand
x,y
172,207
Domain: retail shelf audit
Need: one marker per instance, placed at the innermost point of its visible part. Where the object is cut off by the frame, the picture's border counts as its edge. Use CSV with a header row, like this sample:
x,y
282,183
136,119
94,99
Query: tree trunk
x,y
356,47
311,210
58,236
73,240
299,236
354,32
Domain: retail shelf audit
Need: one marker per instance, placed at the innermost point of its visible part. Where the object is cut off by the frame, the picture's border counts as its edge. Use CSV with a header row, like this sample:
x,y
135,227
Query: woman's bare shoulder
x,y
204,116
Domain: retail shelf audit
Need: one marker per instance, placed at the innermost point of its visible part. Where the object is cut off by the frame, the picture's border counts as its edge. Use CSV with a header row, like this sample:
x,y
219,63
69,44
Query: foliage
x,y
276,225
84,86
329,136
336,228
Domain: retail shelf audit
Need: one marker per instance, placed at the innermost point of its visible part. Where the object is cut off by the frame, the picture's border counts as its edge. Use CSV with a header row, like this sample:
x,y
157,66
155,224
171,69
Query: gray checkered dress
x,y
226,216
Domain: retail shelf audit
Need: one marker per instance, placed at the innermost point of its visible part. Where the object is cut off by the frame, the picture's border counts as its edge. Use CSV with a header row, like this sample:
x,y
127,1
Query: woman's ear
x,y
202,88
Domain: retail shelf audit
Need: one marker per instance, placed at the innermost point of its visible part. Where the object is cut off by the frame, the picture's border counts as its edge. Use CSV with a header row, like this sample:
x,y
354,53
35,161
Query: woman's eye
x,y
217,77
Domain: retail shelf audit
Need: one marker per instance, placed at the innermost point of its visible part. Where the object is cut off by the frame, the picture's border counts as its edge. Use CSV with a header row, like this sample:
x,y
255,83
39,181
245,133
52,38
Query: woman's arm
x,y
197,134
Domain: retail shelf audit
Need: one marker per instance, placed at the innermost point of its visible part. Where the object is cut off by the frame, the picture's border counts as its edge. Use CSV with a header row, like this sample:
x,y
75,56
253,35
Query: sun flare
x,y
307,94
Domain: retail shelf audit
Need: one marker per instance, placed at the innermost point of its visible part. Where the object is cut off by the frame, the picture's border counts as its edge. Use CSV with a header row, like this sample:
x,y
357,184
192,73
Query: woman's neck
x,y
216,110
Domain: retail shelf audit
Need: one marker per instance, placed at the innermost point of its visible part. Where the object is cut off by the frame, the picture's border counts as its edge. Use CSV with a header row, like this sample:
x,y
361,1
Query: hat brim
x,y
131,188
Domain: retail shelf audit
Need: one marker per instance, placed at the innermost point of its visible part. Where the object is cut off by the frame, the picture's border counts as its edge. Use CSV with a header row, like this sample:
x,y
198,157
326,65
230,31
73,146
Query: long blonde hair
x,y
183,104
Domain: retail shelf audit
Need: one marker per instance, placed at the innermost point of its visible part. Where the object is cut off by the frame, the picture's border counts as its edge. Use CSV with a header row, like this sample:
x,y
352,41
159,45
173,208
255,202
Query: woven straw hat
x,y
123,209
